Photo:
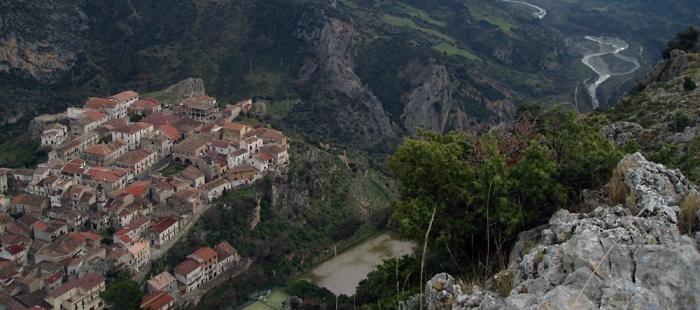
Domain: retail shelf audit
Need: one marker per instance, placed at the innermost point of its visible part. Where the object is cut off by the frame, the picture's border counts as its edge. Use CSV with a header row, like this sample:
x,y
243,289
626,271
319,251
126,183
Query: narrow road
x,y
541,12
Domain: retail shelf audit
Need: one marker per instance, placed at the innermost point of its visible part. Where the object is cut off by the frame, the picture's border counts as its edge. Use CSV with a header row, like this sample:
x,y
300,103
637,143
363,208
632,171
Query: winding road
x,y
540,11
602,69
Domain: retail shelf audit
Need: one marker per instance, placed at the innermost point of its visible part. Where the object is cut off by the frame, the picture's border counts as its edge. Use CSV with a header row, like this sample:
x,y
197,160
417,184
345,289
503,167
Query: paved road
x,y
159,165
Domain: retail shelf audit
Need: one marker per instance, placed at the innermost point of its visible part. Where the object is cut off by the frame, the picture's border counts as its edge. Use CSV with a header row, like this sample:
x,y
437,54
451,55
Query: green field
x,y
496,20
161,97
18,153
258,305
405,22
451,50
409,10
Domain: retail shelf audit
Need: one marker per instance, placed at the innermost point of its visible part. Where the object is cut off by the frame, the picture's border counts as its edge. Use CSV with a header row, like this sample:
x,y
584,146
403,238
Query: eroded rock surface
x,y
606,259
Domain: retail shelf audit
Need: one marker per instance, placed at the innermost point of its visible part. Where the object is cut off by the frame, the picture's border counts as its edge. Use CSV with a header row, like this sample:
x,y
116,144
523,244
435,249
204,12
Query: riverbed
x,y
342,275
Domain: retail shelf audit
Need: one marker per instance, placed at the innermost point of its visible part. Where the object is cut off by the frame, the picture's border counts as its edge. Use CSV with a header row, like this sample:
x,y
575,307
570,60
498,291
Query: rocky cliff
x,y
609,258
333,43
40,39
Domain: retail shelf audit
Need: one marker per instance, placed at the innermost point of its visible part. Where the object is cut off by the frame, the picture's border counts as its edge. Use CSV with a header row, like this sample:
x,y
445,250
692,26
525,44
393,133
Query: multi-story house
x,y
215,189
189,273
278,152
193,175
162,231
25,203
261,161
83,293
226,256
146,107
234,132
221,147
191,148
187,200
159,119
141,255
53,135
268,135
75,147
138,160
243,175
107,180
163,282
88,121
251,144
159,143
161,191
187,126
105,154
49,229
132,134
236,158
206,258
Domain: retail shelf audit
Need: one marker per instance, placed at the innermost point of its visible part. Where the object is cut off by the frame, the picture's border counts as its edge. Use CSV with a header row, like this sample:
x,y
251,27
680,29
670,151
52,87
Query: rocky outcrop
x,y
670,68
41,39
607,259
429,104
187,88
334,44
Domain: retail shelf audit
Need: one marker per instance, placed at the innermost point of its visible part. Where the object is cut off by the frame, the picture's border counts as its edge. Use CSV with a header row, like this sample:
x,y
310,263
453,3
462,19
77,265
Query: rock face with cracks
x,y
607,259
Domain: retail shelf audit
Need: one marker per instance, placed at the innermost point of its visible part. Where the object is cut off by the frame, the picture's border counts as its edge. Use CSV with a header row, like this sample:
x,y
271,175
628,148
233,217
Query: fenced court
x,y
273,301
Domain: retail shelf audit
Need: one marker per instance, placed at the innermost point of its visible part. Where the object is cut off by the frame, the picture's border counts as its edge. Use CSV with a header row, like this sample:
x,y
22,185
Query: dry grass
x,y
688,219
618,189
503,282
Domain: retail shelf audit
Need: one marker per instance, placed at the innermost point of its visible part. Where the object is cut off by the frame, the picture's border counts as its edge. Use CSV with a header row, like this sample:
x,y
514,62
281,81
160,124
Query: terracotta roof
x,y
143,125
220,143
163,224
243,168
6,219
41,170
186,124
91,236
14,249
99,150
125,95
186,193
104,176
78,237
233,126
122,232
156,300
50,133
162,280
204,97
191,173
265,156
98,103
32,200
186,267
208,127
215,183
130,129
53,278
10,303
94,115
160,118
136,156
146,103
137,247
18,229
87,283
205,253
267,133
126,239
224,250
41,225
138,222
194,142
138,188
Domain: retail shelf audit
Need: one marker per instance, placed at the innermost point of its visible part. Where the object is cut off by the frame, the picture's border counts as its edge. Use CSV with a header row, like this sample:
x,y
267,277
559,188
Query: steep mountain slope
x,y
357,72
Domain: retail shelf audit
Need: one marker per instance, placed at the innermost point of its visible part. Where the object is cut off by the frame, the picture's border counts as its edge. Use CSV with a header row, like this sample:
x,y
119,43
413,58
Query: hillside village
x,y
100,202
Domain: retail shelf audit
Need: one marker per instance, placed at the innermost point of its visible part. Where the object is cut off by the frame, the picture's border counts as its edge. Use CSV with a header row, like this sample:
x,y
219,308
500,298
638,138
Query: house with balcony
x,y
162,231
83,293
189,274
206,258
138,160
105,154
227,257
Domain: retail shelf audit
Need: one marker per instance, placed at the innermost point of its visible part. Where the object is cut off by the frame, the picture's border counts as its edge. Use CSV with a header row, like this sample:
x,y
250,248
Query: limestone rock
x,y
609,258
187,88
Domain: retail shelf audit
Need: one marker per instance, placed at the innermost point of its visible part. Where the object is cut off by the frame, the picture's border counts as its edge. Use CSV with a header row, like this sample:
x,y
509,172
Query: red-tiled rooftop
x,y
163,224
160,118
125,95
87,283
98,103
186,267
156,300
94,115
205,253
146,103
